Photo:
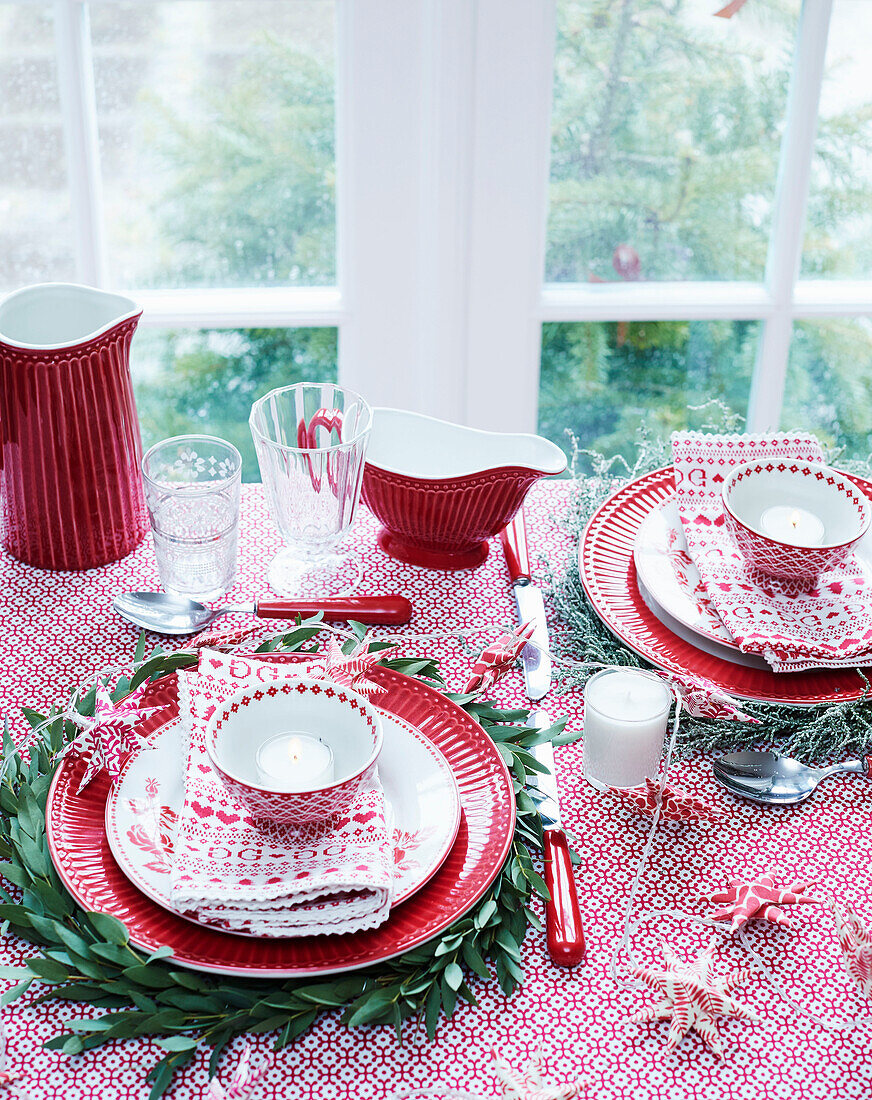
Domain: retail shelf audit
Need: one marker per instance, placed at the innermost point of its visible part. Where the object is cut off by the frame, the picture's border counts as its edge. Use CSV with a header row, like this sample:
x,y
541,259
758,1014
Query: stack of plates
x,y
636,571
453,814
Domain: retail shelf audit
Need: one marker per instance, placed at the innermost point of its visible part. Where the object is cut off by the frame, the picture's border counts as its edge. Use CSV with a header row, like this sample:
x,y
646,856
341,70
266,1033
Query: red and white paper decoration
x,y
498,659
758,899
242,1080
691,997
675,804
109,735
855,940
528,1082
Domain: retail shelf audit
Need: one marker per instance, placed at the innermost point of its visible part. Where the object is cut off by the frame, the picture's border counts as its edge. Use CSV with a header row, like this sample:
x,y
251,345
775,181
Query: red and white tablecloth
x,y
56,627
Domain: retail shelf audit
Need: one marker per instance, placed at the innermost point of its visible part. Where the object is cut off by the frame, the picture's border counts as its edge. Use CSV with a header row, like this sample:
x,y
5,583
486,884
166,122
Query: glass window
x,y
829,382
666,129
206,381
216,124
838,238
602,380
36,241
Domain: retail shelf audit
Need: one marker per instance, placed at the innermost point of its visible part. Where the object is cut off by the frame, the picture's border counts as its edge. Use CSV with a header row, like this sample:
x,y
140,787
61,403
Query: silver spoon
x,y
166,614
777,780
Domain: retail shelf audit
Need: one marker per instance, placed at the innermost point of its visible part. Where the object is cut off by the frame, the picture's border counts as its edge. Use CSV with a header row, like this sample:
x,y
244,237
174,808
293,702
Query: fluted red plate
x,y
80,851
608,573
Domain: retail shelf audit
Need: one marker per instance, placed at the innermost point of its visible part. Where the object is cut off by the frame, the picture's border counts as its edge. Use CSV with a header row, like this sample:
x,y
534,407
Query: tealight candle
x,y
794,525
625,717
295,762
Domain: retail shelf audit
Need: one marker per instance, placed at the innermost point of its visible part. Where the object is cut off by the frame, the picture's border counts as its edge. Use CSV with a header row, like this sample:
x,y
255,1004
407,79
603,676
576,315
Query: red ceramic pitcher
x,y
69,436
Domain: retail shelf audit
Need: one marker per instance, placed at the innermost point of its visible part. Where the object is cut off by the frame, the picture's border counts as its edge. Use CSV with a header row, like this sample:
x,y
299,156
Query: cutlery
x,y
778,780
166,614
563,930
528,600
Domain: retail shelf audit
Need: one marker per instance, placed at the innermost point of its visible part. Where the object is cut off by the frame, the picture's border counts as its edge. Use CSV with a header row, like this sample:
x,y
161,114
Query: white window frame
x,y
442,148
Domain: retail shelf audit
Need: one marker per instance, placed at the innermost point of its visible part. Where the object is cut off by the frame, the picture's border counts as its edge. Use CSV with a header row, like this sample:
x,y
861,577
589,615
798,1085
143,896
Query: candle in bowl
x,y
295,762
797,526
625,717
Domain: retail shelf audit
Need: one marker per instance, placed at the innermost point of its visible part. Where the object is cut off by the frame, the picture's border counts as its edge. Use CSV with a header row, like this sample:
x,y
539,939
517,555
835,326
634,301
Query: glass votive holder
x,y
192,491
626,711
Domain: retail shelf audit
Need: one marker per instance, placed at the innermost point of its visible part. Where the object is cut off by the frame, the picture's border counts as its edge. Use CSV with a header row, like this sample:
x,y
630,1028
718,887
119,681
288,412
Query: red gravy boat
x,y
442,490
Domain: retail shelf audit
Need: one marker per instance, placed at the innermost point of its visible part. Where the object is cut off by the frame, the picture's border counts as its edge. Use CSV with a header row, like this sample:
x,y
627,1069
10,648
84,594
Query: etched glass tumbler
x,y
311,442
192,492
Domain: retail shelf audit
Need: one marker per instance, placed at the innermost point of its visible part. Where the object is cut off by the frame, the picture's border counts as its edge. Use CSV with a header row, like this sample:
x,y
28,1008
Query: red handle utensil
x,y
514,540
563,929
391,610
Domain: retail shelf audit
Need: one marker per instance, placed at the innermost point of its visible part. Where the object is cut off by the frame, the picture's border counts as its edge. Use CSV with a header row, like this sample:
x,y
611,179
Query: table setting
x,y
418,769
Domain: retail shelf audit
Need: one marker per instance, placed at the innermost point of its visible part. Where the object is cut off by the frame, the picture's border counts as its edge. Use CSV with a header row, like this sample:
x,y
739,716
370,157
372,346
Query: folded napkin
x,y
265,878
827,627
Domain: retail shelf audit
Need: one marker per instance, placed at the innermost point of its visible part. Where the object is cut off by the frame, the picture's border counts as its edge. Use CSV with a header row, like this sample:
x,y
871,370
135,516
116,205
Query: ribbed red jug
x,y
70,486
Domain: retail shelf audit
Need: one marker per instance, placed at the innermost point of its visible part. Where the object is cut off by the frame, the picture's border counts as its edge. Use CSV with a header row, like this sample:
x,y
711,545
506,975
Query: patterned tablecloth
x,y
56,627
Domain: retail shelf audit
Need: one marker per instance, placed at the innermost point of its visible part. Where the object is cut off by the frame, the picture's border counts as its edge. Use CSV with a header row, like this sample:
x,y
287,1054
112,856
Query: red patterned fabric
x,y
59,628
333,876
828,626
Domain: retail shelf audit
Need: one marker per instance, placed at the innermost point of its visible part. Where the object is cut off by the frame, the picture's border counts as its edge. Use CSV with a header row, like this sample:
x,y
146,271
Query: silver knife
x,y
562,914
528,600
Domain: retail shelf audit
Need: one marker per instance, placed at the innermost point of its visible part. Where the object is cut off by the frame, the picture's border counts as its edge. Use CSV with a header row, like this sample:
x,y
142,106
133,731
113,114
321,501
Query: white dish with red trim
x,y
143,807
608,574
76,835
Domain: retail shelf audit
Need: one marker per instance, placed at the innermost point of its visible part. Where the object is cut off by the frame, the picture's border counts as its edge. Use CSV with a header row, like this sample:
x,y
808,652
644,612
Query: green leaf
x,y
13,993
453,975
178,1042
48,969
110,928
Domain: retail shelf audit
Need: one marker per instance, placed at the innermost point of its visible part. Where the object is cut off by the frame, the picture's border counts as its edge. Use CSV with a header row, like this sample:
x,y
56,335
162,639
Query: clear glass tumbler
x,y
192,493
311,443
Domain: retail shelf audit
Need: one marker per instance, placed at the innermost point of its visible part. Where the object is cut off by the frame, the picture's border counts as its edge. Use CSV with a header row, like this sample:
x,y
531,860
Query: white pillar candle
x,y
295,762
625,716
794,525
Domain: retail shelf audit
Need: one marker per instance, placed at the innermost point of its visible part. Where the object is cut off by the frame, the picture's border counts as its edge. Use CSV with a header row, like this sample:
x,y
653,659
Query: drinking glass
x,y
311,443
192,493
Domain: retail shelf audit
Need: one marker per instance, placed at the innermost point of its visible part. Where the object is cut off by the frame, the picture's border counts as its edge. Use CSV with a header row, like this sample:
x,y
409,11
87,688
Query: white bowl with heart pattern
x,y
340,717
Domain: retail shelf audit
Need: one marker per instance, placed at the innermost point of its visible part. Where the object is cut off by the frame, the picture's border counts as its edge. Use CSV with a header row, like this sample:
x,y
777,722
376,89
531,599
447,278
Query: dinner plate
x,y
76,834
608,573
144,805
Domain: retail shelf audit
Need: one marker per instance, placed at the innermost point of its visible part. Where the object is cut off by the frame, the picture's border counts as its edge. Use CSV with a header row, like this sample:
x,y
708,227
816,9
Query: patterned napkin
x,y
828,627
265,878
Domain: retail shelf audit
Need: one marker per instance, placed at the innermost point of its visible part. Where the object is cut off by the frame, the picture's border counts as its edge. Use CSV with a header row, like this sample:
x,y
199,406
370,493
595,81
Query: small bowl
x,y
441,490
340,717
843,509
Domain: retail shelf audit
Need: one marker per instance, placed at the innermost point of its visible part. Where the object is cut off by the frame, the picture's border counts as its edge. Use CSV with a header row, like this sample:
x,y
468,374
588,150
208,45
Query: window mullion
x,y
81,140
791,198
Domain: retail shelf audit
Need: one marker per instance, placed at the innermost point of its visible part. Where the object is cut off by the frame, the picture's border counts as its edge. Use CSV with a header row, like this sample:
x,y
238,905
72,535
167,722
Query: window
x,y
563,213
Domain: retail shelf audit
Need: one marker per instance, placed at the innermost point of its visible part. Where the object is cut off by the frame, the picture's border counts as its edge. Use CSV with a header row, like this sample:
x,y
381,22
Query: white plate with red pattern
x,y
143,807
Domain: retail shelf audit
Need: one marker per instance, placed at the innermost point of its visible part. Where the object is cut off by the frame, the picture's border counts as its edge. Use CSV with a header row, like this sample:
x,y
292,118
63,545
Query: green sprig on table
x,y
88,958
808,733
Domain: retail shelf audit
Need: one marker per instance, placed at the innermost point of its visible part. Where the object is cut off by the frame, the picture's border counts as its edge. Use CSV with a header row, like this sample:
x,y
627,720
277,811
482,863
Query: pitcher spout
x,y
61,316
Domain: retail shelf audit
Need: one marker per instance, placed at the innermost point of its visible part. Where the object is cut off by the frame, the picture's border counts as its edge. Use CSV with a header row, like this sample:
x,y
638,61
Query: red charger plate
x,y
77,841
608,573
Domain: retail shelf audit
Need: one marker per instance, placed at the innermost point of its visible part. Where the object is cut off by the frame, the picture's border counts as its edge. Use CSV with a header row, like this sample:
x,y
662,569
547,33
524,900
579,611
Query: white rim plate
x,y
143,807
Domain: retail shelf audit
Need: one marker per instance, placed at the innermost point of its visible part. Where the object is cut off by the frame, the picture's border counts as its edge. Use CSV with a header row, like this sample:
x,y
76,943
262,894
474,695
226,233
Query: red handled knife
x,y
563,929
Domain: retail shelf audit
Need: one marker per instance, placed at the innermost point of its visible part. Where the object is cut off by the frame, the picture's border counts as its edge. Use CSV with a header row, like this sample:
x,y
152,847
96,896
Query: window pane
x,y
829,382
665,138
35,227
206,381
838,239
603,380
217,141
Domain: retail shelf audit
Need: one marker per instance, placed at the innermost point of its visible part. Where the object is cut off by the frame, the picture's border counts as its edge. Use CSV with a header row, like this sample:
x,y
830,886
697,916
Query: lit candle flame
x,y
294,749
794,518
